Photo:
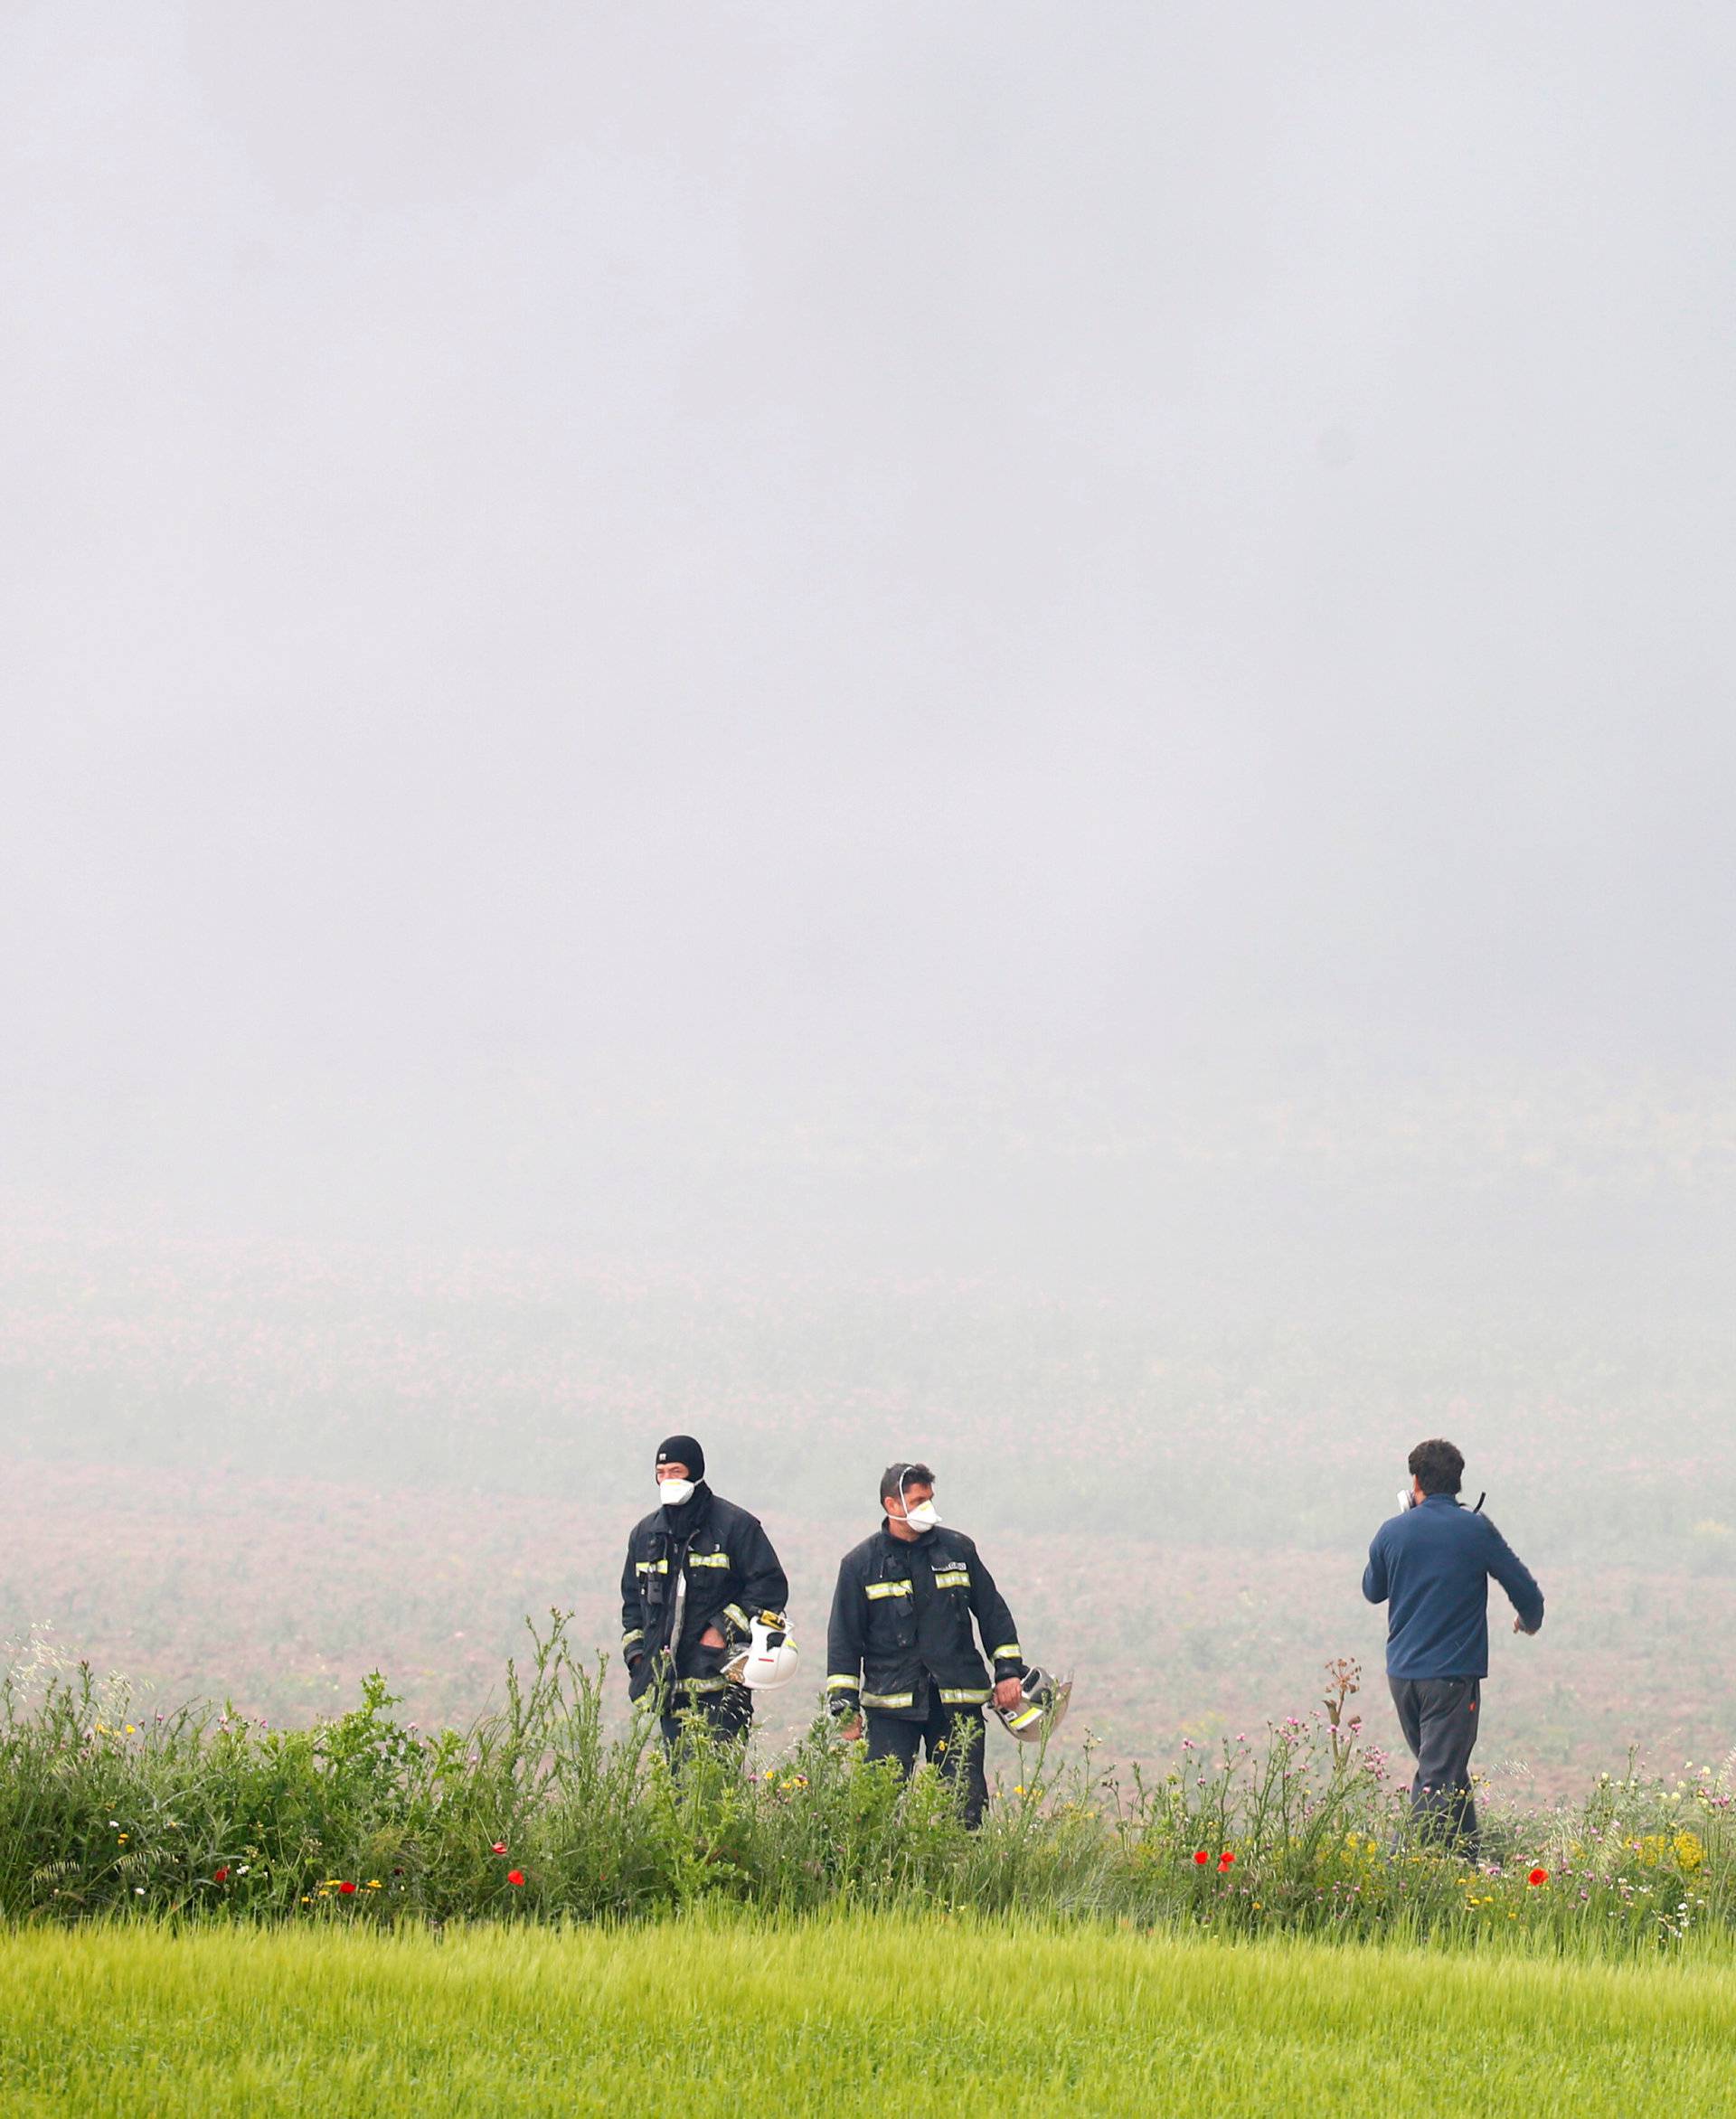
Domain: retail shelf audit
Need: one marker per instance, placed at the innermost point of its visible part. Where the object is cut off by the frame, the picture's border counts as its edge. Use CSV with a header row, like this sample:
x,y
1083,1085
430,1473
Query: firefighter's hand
x,y
850,1732
1007,1695
1519,1626
711,1638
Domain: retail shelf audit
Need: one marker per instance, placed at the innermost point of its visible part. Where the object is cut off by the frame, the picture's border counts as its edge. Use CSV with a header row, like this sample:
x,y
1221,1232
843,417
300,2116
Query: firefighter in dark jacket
x,y
699,1571
900,1648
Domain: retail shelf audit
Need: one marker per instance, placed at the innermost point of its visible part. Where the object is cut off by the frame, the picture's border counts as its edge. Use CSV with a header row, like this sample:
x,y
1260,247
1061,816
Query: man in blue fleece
x,y
1430,1566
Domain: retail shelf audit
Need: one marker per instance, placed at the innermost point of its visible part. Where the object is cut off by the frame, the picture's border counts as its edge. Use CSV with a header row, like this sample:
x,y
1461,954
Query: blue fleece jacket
x,y
1430,1566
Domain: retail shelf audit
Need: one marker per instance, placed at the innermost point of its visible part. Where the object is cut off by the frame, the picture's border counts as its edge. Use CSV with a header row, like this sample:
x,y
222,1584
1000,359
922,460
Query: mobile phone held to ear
x,y
1407,1498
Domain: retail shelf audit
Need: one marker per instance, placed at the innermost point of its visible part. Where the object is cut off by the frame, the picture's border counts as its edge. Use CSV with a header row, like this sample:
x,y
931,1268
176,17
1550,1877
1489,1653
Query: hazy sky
x,y
556,548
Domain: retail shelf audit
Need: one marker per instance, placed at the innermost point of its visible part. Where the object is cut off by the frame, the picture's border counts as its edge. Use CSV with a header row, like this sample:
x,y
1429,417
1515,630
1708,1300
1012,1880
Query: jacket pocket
x,y
892,1618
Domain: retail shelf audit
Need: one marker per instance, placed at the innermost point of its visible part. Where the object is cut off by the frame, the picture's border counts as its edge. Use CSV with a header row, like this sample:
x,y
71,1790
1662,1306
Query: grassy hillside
x,y
263,1470
928,2016
282,1594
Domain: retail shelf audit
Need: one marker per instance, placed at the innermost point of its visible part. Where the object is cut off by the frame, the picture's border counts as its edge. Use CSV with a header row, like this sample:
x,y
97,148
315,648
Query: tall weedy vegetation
x,y
538,1812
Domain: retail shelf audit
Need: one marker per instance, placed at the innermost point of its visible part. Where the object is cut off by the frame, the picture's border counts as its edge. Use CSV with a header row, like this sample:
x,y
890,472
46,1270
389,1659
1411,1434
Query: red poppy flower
x,y
514,1876
499,1847
1538,1876
1202,1858
347,1890
222,1875
1225,1858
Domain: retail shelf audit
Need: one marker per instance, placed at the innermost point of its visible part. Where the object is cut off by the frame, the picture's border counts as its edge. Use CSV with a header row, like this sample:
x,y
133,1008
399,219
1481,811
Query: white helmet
x,y
768,1657
1042,1706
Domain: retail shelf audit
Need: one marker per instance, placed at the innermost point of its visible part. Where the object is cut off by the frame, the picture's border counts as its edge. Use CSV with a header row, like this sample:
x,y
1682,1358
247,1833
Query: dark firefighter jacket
x,y
902,1623
732,1575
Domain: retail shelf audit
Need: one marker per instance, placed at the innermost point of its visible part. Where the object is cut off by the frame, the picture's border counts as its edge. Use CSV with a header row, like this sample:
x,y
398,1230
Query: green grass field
x,y
920,2016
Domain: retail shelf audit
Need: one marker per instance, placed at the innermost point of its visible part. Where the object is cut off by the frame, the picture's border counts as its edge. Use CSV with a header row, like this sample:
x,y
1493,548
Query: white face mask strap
x,y
933,1517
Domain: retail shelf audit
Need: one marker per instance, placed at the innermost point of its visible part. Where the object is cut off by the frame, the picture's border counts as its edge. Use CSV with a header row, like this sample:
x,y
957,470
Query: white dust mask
x,y
923,1518
671,1493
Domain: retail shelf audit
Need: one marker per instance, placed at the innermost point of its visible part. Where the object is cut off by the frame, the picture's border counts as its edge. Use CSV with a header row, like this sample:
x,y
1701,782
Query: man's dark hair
x,y
895,1478
1438,1467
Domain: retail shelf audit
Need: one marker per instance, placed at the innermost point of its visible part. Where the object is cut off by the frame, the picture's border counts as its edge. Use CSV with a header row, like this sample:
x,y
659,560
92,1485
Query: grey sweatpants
x,y
1440,1717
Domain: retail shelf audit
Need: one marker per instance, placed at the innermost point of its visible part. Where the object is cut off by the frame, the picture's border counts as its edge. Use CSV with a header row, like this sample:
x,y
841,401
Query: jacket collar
x,y
911,1544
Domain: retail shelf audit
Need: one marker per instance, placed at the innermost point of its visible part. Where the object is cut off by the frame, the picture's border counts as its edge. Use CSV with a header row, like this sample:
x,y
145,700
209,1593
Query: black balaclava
x,y
682,1449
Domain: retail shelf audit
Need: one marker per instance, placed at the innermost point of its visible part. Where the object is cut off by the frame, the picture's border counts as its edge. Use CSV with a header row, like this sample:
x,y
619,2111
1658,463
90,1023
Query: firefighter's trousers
x,y
954,1739
723,1716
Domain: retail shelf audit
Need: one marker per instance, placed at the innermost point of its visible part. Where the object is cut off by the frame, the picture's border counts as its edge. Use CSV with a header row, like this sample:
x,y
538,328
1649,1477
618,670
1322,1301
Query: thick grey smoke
x,y
864,545
1075,656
